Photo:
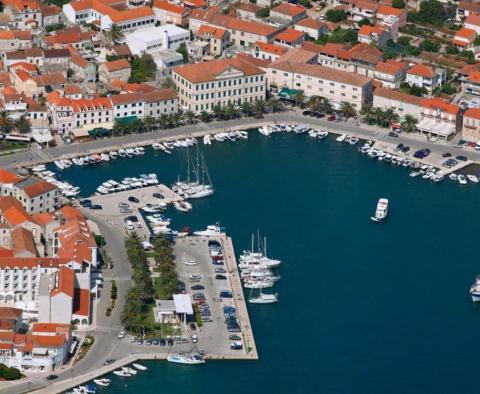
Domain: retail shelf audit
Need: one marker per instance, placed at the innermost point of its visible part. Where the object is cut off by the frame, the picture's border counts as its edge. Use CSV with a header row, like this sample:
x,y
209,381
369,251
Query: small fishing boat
x,y
264,298
182,206
121,372
462,180
341,138
130,370
475,290
211,230
472,178
139,367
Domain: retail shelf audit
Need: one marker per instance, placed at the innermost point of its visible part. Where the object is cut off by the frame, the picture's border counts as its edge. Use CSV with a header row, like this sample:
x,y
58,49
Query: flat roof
x,y
156,33
183,303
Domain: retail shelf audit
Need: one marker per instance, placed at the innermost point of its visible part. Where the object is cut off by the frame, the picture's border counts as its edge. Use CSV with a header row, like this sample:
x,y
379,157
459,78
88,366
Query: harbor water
x,y
364,307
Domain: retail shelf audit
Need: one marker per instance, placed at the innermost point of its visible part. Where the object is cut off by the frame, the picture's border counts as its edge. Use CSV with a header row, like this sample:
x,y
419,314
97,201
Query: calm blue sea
x,y
364,308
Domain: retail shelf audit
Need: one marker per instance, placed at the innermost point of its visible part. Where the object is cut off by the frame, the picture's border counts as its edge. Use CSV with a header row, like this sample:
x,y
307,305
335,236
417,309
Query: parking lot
x,y
195,268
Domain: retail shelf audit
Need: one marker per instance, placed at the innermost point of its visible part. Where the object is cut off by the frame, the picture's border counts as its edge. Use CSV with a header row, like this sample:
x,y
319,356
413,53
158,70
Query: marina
x,y
318,266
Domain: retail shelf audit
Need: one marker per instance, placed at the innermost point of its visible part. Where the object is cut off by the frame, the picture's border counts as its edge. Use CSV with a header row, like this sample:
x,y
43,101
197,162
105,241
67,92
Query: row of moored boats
x,y
127,183
65,188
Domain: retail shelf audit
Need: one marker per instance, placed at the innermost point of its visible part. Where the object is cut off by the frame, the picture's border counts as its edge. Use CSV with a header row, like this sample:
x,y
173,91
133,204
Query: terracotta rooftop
x,y
473,19
207,30
116,65
289,9
440,105
466,33
390,67
34,187
22,240
270,48
386,10
472,113
173,8
65,282
208,71
81,302
310,23
290,35
422,70
398,96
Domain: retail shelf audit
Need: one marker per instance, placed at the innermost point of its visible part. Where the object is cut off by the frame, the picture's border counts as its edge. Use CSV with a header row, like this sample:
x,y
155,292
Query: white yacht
x,y
263,298
475,290
472,178
102,382
300,129
382,210
121,372
186,358
182,206
140,367
211,230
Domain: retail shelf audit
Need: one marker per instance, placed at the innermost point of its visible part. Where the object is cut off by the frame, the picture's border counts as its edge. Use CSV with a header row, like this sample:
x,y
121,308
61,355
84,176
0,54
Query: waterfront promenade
x,y
34,156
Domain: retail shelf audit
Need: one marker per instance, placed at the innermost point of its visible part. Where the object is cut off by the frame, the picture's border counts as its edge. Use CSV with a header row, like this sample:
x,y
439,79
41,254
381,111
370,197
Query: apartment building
x,y
465,8
316,80
426,77
464,38
402,103
15,40
166,12
23,13
218,82
288,13
115,69
440,119
471,125
266,51
390,73
91,11
374,35
473,22
471,84
311,27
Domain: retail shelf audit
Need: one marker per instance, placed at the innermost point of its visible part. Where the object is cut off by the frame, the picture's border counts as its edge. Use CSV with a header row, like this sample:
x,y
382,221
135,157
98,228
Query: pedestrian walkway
x,y
109,328
117,278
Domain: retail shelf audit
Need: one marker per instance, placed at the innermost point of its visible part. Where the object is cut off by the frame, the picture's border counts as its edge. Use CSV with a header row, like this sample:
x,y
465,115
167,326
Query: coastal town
x,y
96,284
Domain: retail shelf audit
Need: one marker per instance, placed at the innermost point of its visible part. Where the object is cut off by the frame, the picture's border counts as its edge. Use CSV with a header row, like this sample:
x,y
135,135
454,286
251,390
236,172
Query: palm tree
x,y
231,112
5,122
409,123
259,107
114,34
314,103
389,116
23,125
204,116
218,111
189,116
168,83
326,106
275,104
347,110
149,123
163,121
174,119
368,113
299,98
247,108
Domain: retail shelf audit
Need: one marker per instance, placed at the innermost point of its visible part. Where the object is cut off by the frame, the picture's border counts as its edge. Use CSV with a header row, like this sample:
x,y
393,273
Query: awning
x,y
42,137
127,119
430,126
79,133
287,94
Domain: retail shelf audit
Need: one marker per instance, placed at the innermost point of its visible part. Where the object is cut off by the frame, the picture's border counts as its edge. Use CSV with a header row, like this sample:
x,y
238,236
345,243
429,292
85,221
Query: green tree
x,y
389,117
453,50
314,103
23,125
336,15
347,110
218,111
113,34
247,108
143,69
204,116
168,83
326,106
274,104
368,113
259,107
189,117
398,3
364,21
299,98
409,123
429,46
182,50
431,12
6,123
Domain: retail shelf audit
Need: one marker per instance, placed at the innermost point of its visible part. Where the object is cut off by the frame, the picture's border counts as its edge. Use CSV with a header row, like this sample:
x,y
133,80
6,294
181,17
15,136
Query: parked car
x,y
122,334
220,277
234,337
461,158
306,112
158,195
220,270
331,118
447,154
393,134
197,287
109,361
52,377
226,294
96,206
133,199
193,327
213,242
194,338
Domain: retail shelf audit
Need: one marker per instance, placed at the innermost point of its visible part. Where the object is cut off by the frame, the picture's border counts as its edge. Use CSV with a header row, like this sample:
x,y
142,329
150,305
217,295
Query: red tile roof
x,y
466,33
270,48
215,32
386,10
289,9
81,303
398,96
422,70
473,19
116,65
472,113
7,177
310,23
439,104
390,67
173,8
65,282
290,35
208,71
22,241
251,27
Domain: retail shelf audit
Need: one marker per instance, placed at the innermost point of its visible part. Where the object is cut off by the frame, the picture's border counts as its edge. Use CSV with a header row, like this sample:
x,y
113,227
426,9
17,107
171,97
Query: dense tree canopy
x,y
431,12
143,68
336,15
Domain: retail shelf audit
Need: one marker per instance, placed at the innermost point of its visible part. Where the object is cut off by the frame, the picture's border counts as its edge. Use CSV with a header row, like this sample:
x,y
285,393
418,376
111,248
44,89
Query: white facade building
x,y
157,38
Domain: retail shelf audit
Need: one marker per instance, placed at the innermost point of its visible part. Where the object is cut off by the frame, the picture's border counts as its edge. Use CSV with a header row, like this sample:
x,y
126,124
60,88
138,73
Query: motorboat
x,y
211,230
322,134
186,358
472,178
341,138
475,290
207,139
263,298
381,211
353,140
182,206
462,180
300,129
414,174
265,130
130,370
140,367
102,382
121,372
453,176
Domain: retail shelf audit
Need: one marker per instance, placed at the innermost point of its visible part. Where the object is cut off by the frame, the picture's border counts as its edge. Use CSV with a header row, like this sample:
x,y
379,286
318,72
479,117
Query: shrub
x,y
9,373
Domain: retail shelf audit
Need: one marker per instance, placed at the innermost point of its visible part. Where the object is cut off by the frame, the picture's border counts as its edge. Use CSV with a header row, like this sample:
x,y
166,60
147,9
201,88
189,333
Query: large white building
x,y
202,86
157,38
